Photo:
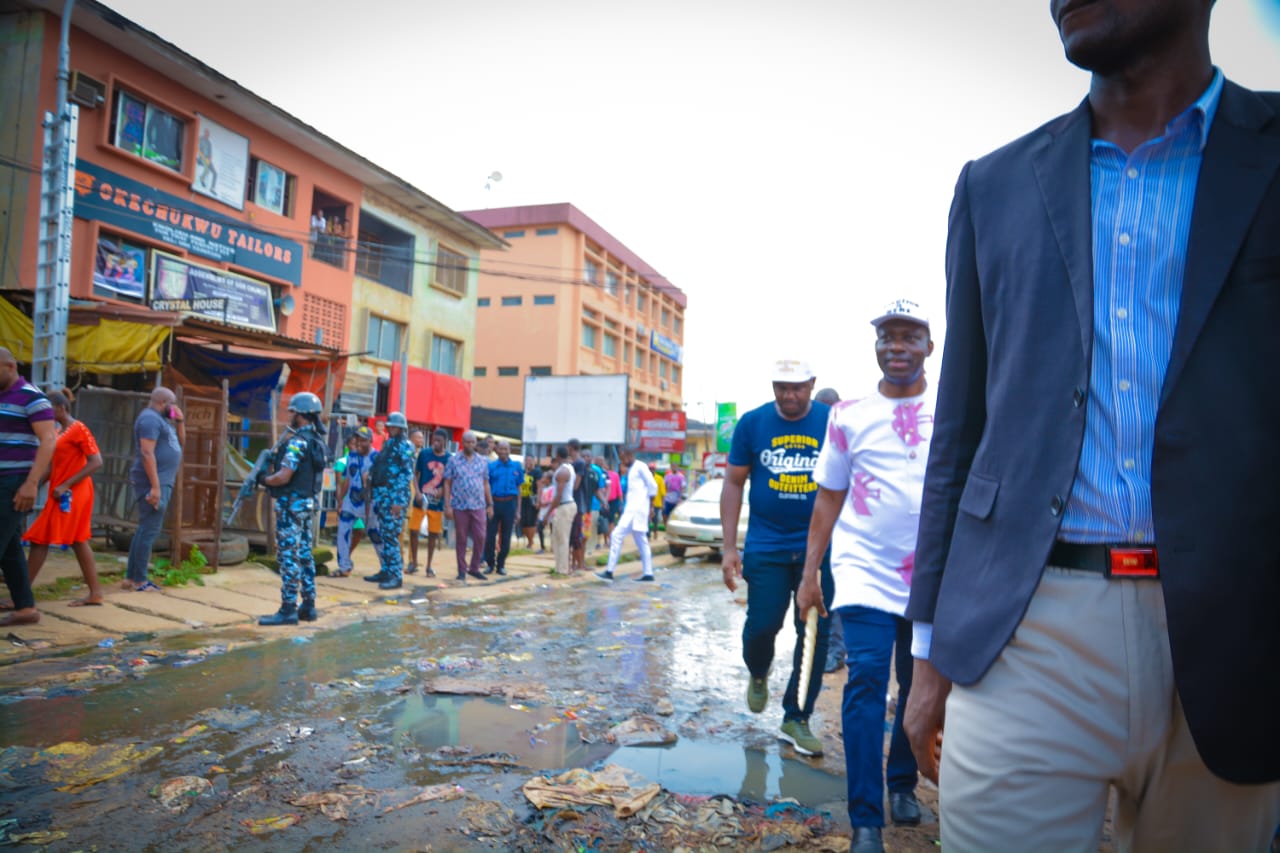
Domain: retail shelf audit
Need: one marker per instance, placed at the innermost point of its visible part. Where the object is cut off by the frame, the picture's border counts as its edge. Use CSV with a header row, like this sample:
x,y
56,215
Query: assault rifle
x,y
251,482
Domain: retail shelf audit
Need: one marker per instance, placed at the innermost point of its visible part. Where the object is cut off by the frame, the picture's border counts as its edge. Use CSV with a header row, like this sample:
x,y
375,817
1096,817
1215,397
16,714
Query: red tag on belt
x,y
1133,563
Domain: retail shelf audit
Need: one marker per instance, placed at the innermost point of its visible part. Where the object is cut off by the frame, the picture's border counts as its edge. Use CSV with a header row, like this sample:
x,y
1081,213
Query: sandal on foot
x,y
146,586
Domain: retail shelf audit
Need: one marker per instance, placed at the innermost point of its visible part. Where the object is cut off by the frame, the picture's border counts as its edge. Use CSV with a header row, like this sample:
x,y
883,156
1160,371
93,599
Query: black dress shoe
x,y
502,571
866,839
904,808
378,578
391,583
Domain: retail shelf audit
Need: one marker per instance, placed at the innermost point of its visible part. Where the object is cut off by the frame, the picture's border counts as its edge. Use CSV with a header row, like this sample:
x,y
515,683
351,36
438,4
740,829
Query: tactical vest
x,y
308,477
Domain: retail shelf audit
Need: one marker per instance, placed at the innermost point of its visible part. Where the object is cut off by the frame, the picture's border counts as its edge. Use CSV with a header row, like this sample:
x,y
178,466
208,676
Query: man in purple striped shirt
x,y
27,439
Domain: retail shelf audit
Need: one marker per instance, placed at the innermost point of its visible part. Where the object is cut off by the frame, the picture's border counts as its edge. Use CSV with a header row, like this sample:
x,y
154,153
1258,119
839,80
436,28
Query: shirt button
x,y
1124,239
1128,464
1077,397
1123,384
1132,173
1139,536
1055,505
1122,313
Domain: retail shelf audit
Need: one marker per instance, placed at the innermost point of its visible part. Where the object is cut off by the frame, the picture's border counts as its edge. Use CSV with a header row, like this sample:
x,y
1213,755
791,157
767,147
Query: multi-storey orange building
x,y
568,298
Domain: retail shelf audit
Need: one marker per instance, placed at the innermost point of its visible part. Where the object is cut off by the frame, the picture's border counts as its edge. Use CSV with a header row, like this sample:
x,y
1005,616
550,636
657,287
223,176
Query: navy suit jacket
x,y
1010,420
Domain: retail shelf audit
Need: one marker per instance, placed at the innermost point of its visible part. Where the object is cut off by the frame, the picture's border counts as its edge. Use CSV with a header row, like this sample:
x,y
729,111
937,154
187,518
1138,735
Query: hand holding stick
x,y
806,659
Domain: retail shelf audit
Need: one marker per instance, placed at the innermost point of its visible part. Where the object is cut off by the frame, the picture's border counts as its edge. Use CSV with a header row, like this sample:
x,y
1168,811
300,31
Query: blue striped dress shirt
x,y
1142,204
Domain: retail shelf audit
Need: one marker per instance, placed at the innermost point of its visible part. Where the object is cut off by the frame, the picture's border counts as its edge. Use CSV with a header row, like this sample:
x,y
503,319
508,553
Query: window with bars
x,y
451,269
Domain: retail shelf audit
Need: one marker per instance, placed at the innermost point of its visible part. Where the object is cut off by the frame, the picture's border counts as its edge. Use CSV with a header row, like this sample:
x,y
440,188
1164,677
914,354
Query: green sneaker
x,y
796,733
757,694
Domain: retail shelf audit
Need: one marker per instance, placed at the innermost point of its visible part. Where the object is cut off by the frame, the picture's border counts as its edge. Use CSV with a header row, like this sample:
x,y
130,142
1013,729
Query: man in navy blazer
x,y
1098,562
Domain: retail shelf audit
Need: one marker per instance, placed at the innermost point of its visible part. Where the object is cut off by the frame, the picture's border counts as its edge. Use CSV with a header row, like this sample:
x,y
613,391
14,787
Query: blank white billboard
x,y
592,409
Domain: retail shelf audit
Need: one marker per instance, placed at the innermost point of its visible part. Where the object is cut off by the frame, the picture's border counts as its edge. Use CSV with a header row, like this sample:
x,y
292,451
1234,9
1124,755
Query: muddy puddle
x,y
424,730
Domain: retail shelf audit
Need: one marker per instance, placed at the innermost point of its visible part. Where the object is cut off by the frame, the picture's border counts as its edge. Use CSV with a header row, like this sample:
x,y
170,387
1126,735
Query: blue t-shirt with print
x,y
782,455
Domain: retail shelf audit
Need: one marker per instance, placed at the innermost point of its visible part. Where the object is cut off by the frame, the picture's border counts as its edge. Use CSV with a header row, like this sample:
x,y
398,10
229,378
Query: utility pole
x,y
57,205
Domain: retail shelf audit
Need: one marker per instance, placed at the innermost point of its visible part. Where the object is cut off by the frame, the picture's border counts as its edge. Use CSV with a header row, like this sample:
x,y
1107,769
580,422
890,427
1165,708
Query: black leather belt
x,y
504,497
1120,560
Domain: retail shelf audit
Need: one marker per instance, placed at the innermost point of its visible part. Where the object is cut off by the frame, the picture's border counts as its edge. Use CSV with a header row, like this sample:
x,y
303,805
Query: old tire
x,y
230,550
677,551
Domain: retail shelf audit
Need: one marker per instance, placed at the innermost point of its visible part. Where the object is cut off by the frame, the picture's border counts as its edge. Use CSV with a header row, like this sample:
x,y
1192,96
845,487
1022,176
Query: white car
x,y
696,520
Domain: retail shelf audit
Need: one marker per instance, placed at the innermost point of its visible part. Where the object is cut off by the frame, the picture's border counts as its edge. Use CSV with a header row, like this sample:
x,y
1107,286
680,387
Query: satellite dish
x,y
495,177
287,304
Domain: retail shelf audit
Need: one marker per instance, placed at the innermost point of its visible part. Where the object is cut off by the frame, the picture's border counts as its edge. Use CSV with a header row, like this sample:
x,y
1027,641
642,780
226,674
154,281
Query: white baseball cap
x,y
790,370
902,309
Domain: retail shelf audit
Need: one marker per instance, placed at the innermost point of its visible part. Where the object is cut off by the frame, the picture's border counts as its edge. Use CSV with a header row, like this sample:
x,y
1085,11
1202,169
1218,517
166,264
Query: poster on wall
x,y
179,285
222,162
120,269
268,187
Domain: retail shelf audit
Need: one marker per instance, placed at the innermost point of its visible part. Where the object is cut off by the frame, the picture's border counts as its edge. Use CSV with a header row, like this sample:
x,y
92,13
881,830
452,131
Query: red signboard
x,y
657,432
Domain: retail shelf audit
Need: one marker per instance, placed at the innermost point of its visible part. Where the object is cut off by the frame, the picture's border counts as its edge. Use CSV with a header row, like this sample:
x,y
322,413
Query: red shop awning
x,y
433,398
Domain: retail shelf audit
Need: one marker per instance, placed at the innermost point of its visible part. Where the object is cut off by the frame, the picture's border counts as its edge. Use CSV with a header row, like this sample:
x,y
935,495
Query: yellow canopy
x,y
109,346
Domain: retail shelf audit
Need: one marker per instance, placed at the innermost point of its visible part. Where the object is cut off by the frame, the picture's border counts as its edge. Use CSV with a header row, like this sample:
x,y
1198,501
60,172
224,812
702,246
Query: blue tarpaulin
x,y
250,378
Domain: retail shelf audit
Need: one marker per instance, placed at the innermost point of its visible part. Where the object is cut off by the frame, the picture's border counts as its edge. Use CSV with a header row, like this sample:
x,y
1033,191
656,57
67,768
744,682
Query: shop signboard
x,y
123,203
179,285
222,162
663,345
658,432
726,420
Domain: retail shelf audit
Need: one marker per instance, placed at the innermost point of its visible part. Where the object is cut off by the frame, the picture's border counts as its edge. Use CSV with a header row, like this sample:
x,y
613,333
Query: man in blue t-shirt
x,y
776,446
429,471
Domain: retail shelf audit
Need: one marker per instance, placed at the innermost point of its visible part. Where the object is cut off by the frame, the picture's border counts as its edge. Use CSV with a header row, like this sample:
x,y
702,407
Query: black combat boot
x,y
286,615
307,611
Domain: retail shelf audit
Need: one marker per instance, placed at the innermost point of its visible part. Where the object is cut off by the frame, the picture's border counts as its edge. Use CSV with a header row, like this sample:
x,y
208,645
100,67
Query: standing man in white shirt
x,y
870,477
641,487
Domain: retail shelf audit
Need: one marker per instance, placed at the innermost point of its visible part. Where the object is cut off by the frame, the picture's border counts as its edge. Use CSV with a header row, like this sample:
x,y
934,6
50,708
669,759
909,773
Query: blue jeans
x,y
772,580
150,520
13,559
871,638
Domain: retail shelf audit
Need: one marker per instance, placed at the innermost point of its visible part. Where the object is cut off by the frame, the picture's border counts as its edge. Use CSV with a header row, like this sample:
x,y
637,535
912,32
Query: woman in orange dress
x,y
75,459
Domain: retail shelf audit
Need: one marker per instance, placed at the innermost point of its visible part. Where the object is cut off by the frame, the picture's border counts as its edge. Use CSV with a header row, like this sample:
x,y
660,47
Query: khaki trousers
x,y
561,526
1081,702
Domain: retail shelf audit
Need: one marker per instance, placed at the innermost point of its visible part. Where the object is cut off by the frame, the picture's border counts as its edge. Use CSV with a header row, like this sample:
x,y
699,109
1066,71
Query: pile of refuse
x,y
609,809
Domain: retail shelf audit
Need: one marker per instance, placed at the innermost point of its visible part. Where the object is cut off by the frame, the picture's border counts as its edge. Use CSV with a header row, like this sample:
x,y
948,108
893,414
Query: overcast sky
x,y
788,165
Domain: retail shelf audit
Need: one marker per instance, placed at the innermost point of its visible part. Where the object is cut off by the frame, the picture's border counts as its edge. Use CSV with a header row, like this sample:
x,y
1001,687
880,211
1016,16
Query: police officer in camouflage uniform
x,y
297,474
392,480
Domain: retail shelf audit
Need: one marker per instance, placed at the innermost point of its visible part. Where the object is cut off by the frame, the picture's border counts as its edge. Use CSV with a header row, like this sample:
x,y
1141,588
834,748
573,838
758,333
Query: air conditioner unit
x,y
664,384
86,91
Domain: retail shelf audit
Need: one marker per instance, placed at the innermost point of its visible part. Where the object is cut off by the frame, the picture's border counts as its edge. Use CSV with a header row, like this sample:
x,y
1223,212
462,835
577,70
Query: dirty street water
x,y
569,714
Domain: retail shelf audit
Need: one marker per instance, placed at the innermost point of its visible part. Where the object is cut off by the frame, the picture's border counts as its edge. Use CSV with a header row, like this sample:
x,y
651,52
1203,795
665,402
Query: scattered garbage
x,y
640,730
335,805
177,794
75,765
610,786
489,819
431,793
106,643
488,759
38,839
664,708
265,825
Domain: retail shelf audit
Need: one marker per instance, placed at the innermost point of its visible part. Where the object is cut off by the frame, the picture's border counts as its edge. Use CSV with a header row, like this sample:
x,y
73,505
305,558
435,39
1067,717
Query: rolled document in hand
x,y
806,659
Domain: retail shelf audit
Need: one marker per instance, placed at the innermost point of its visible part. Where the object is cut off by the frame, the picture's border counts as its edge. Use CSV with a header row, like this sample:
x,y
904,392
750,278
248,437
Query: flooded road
x,y
420,733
